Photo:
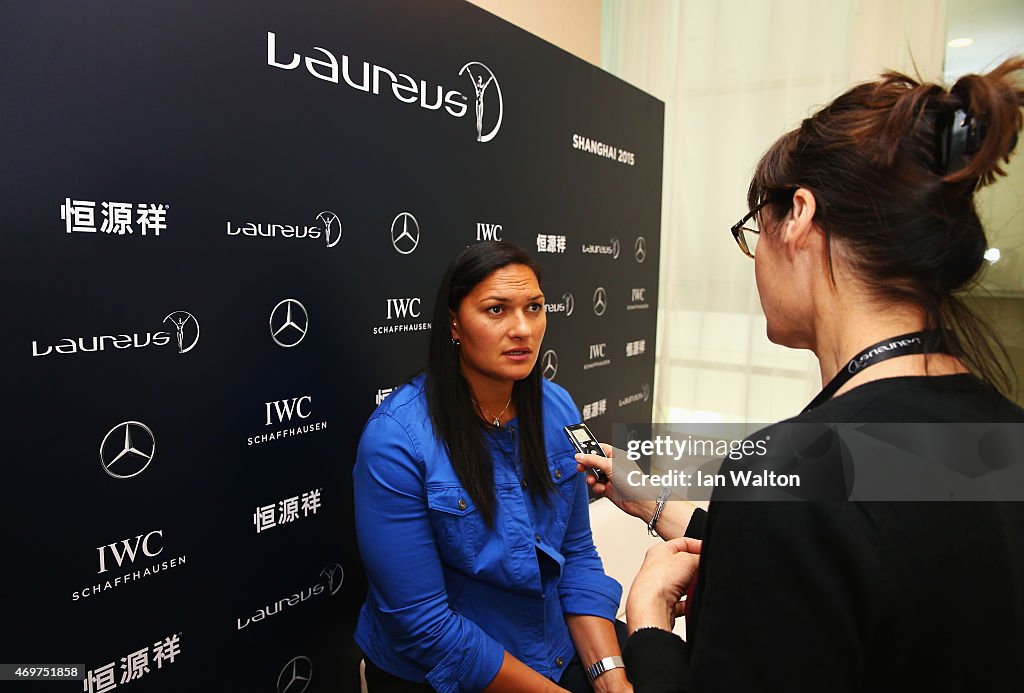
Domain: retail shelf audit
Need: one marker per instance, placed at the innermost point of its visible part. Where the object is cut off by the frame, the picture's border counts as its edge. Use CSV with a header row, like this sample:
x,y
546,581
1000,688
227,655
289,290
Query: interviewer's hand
x,y
616,489
662,581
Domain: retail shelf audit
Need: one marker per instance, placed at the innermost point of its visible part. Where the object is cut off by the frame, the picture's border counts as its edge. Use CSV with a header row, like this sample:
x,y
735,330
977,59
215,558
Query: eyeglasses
x,y
746,232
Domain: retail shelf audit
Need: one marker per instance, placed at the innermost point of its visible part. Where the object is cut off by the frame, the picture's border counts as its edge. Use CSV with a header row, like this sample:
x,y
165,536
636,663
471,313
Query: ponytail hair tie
x,y
959,136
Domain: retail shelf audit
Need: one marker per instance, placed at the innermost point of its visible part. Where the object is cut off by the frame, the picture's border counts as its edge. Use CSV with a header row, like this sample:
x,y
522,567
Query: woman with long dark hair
x,y
472,521
868,233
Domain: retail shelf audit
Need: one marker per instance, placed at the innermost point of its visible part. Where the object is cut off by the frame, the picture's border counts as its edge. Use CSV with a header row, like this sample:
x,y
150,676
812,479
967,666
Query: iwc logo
x,y
598,356
404,314
638,299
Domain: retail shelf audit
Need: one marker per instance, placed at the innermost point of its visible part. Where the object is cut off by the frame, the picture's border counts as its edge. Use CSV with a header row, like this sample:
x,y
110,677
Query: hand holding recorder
x,y
586,443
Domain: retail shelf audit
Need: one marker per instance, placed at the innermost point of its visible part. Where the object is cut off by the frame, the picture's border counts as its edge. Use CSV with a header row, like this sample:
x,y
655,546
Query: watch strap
x,y
602,665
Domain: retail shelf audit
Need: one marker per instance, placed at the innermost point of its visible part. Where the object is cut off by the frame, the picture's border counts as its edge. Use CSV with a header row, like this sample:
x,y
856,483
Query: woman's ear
x,y
453,325
802,236
799,228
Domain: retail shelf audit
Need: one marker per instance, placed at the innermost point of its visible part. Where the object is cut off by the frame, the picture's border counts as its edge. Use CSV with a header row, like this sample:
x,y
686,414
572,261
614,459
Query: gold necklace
x,y
497,419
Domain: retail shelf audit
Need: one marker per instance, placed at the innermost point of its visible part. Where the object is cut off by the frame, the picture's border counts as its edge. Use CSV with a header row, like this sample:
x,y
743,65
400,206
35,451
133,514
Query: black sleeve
x,y
695,529
655,661
783,596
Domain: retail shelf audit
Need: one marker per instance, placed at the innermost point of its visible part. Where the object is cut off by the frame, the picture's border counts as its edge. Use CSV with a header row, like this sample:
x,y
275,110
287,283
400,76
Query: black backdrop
x,y
152,533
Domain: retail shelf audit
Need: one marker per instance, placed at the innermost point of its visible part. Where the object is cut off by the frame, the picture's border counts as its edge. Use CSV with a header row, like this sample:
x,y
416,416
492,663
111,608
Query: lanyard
x,y
911,343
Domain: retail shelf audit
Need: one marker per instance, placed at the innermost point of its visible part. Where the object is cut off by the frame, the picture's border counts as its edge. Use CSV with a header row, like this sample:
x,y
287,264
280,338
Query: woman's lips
x,y
517,354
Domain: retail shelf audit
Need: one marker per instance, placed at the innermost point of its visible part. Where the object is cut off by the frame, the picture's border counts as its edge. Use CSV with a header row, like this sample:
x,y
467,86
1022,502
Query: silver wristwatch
x,y
603,665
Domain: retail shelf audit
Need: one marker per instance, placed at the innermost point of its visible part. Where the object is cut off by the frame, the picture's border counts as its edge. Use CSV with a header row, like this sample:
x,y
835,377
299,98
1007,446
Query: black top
x,y
855,596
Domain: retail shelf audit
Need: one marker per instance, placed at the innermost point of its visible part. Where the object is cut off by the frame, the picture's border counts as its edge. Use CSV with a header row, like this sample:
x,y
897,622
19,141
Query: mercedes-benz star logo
x,y
640,249
295,676
549,364
335,575
615,248
288,323
569,302
405,233
182,319
600,301
332,227
127,449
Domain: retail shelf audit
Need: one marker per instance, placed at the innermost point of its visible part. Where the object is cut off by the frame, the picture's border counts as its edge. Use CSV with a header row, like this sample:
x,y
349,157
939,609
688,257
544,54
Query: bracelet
x,y
602,665
665,493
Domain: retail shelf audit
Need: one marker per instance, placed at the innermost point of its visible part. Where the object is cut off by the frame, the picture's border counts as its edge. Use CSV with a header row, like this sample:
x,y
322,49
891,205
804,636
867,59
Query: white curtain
x,y
734,76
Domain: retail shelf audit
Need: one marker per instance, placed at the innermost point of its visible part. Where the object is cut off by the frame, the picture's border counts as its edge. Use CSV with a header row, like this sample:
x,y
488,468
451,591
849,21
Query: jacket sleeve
x,y
403,564
656,661
584,588
784,594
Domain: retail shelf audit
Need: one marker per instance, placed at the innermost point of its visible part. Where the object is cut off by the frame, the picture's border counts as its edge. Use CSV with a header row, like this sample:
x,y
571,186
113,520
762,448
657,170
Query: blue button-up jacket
x,y
448,595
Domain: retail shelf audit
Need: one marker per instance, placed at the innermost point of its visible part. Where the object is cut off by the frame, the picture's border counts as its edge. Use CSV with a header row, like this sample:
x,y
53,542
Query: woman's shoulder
x,y
405,408
554,392
557,397
407,402
955,398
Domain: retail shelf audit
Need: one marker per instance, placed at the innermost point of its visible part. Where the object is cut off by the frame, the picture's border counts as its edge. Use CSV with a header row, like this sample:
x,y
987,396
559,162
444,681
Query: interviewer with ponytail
x,y
863,230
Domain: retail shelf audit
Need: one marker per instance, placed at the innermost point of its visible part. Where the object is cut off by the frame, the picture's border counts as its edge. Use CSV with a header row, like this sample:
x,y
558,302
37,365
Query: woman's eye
x,y
494,310
536,307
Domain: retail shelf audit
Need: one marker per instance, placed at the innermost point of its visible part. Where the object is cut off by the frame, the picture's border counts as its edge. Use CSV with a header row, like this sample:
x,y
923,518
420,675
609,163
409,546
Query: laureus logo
x,y
327,227
372,78
331,226
182,321
482,78
185,337
564,307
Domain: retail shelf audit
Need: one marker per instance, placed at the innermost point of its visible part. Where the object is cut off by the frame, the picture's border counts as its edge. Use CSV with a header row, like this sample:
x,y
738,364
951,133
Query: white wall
x,y
572,25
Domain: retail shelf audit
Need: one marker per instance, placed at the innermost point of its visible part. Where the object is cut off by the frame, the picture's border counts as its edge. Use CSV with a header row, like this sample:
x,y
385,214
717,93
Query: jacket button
x,y
559,661
462,504
558,475
537,537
